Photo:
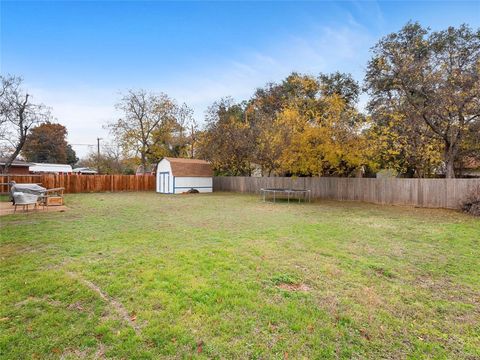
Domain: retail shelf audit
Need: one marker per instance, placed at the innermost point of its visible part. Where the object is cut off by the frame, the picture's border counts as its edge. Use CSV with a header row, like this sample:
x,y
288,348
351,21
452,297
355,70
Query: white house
x,y
50,168
175,176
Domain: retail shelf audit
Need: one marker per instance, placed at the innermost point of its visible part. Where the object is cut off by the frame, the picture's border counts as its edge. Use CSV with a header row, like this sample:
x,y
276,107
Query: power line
x,y
104,145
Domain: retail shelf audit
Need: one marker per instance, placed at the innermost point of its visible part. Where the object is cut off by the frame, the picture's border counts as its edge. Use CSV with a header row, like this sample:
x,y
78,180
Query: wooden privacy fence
x,y
433,193
84,183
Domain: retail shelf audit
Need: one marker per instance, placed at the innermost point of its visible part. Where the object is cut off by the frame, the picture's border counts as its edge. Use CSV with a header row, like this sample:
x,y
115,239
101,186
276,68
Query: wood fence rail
x,y
432,193
74,183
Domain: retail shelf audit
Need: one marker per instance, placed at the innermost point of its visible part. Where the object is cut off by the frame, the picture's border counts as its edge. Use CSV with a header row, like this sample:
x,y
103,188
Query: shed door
x,y
164,182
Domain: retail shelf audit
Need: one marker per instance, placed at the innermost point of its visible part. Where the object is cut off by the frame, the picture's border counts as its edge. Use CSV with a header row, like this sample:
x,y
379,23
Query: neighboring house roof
x,y
44,167
84,170
15,162
190,167
471,163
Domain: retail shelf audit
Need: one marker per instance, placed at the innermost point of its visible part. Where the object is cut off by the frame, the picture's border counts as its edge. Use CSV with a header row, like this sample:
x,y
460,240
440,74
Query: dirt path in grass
x,y
113,304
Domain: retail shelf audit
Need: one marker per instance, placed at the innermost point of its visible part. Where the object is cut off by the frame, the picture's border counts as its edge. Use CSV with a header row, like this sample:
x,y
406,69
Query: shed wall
x,y
202,184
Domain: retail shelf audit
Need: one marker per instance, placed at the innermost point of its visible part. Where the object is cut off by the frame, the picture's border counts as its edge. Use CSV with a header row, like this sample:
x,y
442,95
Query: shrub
x,y
471,204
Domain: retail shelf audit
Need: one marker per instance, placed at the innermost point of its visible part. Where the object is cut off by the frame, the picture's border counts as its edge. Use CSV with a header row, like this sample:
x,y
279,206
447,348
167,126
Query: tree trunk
x,y
449,168
192,143
15,154
144,165
450,156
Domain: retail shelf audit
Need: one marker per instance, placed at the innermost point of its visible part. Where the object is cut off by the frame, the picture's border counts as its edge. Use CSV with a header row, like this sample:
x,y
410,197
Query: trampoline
x,y
293,194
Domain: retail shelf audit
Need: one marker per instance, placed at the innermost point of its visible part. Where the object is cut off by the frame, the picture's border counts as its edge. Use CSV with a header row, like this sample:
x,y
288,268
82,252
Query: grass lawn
x,y
142,275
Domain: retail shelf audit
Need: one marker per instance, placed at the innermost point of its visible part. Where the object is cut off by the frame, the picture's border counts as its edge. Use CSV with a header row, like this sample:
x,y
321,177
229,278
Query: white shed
x,y
175,175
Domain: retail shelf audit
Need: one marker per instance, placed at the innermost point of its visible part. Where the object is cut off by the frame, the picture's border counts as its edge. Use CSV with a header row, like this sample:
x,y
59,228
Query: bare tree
x,y
193,130
143,113
111,161
17,116
153,126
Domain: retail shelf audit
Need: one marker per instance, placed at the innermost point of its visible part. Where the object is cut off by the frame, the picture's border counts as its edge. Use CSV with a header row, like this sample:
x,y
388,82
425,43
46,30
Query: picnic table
x,y
46,196
24,200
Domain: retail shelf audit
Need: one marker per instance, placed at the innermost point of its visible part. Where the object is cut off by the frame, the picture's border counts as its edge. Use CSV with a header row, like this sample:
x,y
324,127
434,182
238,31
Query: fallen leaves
x,y
199,347
365,334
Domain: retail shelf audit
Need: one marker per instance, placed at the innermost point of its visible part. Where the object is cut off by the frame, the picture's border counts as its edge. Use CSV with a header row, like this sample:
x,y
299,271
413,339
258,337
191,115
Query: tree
x,y
193,137
398,143
308,125
171,138
433,80
226,141
264,109
328,141
47,143
72,158
301,126
17,116
110,161
148,121
340,84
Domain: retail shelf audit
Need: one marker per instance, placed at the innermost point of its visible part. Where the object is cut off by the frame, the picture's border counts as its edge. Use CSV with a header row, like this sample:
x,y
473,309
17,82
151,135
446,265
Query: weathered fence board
x,y
432,193
84,183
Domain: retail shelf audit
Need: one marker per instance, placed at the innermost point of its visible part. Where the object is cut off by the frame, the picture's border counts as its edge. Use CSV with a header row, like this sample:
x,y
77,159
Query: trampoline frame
x,y
307,194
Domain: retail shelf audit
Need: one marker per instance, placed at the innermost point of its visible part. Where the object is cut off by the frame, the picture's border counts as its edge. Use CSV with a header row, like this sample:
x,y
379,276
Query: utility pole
x,y
98,154
192,139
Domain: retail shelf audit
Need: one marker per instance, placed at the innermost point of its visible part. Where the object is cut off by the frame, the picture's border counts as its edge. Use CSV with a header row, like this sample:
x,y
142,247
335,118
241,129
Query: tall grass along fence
x,y
432,193
83,183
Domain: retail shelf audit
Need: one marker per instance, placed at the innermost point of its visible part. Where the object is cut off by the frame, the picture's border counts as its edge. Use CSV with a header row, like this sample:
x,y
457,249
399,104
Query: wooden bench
x,y
53,197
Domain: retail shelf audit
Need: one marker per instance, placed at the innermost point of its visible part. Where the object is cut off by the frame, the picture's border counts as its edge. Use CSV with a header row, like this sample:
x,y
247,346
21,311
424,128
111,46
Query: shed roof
x,y
190,167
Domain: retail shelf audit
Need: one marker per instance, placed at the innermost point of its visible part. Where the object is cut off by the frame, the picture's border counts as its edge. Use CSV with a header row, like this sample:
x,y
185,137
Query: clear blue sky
x,y
77,56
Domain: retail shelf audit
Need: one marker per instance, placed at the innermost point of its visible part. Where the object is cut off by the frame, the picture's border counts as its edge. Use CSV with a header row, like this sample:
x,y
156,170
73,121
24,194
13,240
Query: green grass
x,y
227,276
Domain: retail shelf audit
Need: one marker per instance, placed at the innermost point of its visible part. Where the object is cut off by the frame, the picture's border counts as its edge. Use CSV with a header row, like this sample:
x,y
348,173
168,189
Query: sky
x,y
78,57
